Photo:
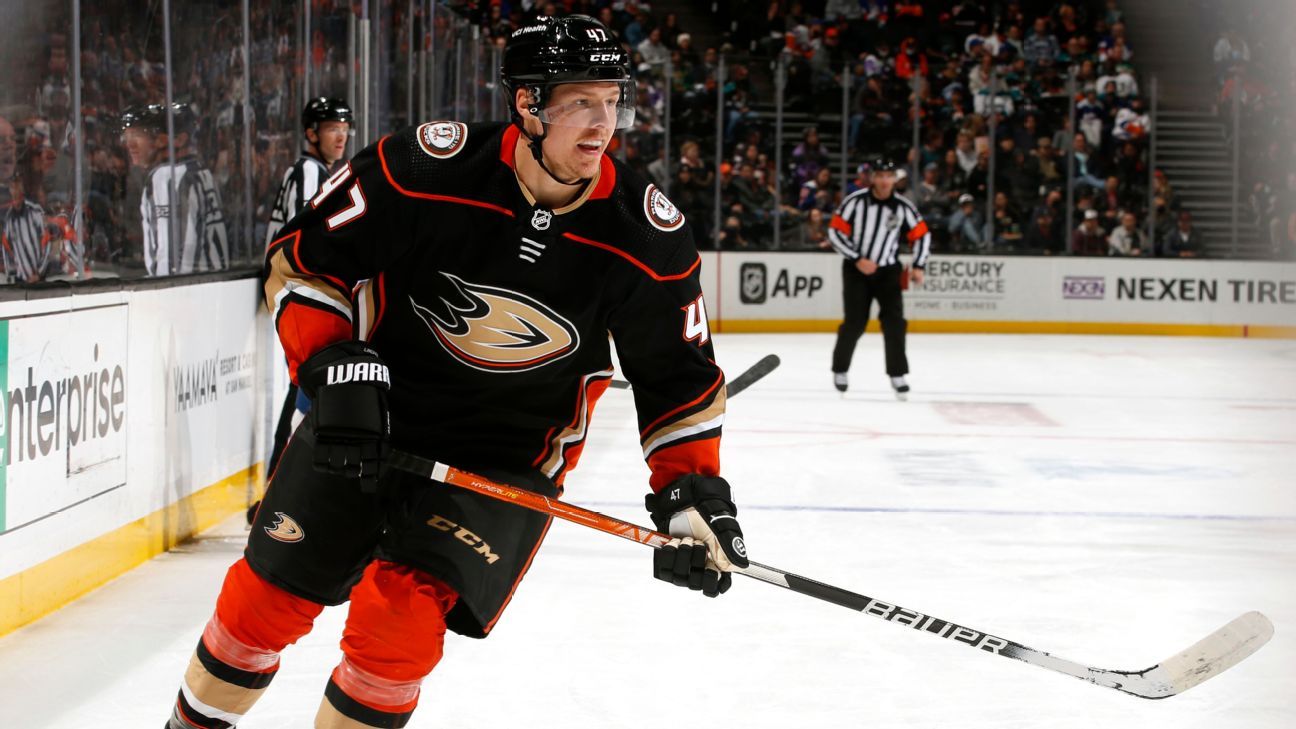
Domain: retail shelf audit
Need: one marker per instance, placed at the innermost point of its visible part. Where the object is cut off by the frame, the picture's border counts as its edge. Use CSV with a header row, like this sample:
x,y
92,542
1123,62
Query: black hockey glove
x,y
347,383
699,512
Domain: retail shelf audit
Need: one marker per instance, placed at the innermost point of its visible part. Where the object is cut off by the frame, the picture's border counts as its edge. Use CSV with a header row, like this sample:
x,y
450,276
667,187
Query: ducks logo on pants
x,y
495,329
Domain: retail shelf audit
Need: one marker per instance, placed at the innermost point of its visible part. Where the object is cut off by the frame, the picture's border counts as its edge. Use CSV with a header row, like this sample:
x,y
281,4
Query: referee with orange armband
x,y
866,230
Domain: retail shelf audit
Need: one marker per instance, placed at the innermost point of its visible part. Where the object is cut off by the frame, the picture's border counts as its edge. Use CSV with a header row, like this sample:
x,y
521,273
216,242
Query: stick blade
x,y
763,366
1208,657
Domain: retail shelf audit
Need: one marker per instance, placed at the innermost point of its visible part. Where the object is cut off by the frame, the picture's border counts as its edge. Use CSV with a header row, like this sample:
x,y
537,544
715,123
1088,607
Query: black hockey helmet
x,y
560,50
182,119
325,108
153,118
150,117
882,164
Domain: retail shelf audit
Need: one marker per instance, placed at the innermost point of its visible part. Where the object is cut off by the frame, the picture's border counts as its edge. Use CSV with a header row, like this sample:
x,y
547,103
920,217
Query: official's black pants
x,y
858,293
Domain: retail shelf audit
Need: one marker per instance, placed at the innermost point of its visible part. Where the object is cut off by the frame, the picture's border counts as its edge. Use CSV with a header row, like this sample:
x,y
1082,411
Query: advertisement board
x,y
66,409
754,291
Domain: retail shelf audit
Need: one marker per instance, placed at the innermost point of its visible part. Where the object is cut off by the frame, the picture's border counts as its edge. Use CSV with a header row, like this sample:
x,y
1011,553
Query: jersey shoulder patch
x,y
660,211
442,139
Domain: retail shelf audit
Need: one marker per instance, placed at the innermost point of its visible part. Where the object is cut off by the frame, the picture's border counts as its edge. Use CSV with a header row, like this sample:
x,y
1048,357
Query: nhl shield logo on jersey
x,y
661,212
541,218
285,529
494,329
442,139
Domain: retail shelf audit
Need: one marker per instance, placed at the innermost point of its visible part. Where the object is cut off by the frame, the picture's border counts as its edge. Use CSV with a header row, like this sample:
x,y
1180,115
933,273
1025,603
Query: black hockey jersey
x,y
493,313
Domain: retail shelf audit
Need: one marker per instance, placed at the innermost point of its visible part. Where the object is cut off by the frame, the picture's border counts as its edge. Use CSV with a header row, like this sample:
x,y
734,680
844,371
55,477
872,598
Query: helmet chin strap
x,y
534,143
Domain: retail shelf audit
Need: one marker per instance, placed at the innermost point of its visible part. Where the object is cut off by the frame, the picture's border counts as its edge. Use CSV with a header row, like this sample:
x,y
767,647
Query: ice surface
x,y
1111,500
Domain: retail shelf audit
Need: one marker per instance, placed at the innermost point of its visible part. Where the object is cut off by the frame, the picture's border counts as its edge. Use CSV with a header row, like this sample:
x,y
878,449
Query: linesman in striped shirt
x,y
24,236
326,128
327,125
180,209
866,230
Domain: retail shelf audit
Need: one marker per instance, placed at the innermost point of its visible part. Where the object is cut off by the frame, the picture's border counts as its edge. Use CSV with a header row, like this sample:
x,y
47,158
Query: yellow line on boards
x,y
48,586
752,326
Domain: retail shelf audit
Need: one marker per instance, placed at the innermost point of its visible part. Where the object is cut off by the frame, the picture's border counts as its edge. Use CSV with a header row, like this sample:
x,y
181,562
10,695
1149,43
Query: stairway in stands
x,y
1194,151
1173,40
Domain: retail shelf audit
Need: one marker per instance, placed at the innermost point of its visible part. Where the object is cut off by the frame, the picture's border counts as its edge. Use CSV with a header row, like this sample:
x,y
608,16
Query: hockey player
x,y
196,239
495,261
326,128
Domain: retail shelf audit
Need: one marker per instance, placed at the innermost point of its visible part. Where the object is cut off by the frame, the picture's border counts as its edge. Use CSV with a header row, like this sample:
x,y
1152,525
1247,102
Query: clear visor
x,y
593,110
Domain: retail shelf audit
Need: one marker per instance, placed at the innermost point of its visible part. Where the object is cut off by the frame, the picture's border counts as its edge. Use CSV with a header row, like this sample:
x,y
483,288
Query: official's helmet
x,y
561,50
324,109
150,117
153,118
182,118
882,164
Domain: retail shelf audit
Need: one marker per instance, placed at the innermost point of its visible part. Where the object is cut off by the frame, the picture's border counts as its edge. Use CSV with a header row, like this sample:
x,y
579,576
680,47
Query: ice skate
x,y
901,388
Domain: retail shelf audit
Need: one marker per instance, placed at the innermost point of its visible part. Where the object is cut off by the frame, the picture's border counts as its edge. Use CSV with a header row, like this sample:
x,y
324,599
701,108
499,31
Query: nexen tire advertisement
x,y
774,291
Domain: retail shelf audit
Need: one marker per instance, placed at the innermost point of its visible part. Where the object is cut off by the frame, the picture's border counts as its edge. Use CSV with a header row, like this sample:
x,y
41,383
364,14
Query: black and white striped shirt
x,y
201,242
866,227
25,241
300,183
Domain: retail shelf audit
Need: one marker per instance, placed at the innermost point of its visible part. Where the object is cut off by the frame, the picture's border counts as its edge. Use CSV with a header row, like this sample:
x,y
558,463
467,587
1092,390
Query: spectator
x,y
654,52
1131,123
1007,222
1042,166
860,180
965,148
966,227
1087,166
1089,238
814,232
731,235
1043,235
932,197
1041,46
1126,240
819,193
1184,241
1231,52
808,156
1111,203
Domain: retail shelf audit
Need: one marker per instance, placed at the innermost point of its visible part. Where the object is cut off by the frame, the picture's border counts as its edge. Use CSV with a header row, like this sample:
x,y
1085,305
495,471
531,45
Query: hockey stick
x,y
1207,657
763,366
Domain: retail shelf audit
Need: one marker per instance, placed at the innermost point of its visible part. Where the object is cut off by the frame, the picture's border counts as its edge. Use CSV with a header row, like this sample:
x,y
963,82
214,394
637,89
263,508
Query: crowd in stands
x,y
123,65
1255,67
985,82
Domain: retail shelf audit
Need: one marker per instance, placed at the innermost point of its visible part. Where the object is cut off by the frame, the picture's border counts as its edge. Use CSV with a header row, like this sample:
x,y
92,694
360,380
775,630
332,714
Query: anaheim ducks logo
x,y
285,529
442,139
661,212
497,330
